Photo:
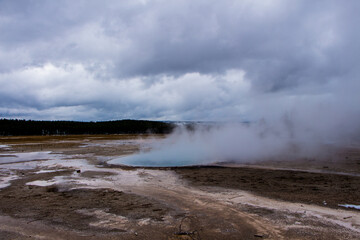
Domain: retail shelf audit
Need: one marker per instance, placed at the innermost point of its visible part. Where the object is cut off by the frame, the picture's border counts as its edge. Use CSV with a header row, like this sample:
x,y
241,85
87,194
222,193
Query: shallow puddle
x,y
350,206
27,156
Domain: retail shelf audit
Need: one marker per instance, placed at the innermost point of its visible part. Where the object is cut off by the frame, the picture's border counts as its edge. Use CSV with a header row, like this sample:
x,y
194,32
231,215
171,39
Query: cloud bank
x,y
182,60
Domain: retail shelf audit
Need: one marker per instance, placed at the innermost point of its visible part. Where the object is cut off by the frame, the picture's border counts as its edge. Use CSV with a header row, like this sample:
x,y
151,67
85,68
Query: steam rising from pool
x,y
236,142
208,144
180,149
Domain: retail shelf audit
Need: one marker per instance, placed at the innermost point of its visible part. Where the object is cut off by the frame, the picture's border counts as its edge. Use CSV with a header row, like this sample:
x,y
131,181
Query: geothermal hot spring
x,y
176,150
239,143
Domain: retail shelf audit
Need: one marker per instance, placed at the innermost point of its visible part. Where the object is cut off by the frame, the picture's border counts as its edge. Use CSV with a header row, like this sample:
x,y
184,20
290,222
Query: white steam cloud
x,y
312,129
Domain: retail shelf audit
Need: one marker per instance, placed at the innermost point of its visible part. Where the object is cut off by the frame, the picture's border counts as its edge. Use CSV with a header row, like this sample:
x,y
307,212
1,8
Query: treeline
x,y
16,127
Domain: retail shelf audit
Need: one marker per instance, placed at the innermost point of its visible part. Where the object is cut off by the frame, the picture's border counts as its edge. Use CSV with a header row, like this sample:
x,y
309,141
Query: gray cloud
x,y
180,60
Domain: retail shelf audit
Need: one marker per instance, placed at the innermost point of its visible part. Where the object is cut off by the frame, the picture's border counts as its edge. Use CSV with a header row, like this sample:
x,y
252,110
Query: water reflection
x,y
26,156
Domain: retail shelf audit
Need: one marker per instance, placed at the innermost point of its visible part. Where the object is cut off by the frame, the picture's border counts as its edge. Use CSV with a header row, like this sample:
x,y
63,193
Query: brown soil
x,y
295,186
76,144
55,205
175,203
72,210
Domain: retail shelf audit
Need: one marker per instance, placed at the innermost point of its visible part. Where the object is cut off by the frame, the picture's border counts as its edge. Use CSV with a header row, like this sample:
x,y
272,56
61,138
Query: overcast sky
x,y
179,60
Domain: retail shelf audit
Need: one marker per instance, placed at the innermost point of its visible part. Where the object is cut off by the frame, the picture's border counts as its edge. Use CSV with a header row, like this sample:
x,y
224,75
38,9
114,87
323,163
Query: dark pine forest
x,y
16,127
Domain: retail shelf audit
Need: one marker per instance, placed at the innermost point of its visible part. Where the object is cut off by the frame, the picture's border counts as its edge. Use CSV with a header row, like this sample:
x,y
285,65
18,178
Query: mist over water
x,y
311,129
288,136
225,142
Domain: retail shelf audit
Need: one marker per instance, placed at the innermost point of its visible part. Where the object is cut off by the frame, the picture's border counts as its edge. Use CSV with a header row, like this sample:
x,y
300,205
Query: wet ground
x,y
61,188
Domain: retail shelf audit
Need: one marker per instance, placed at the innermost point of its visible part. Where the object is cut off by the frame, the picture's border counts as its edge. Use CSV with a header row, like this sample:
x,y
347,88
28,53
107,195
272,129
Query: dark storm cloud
x,y
176,59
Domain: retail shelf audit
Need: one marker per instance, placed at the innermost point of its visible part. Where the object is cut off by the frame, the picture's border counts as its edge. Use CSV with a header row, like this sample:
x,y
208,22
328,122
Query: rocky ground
x,y
61,188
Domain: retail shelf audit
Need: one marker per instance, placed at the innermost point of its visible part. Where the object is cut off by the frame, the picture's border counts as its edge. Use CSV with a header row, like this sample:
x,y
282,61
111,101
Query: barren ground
x,y
61,188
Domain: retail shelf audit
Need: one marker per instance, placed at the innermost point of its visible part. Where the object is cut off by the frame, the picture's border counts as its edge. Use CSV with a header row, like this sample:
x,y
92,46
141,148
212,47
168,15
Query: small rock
x,y
78,171
258,235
